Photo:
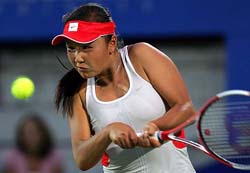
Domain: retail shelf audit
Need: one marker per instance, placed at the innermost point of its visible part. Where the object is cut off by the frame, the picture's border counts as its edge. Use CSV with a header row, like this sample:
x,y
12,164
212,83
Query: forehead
x,y
72,43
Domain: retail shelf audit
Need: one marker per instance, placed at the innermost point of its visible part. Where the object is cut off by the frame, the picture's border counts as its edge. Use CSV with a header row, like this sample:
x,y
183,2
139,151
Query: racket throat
x,y
191,143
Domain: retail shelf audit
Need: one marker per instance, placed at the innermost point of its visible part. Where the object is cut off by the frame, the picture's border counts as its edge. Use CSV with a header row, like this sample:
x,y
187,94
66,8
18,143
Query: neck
x,y
112,73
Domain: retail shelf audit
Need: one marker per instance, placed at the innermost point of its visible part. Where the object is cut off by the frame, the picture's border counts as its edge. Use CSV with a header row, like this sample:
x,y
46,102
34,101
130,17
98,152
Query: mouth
x,y
82,69
85,72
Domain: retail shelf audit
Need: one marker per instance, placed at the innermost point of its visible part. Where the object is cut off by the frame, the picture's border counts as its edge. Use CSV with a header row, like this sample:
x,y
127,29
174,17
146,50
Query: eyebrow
x,y
71,43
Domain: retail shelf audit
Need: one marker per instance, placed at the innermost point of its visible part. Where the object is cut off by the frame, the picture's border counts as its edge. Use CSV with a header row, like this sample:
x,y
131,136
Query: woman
x,y
111,94
35,151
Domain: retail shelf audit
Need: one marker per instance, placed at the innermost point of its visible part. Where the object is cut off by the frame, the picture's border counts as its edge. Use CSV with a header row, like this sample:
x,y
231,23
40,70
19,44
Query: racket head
x,y
224,128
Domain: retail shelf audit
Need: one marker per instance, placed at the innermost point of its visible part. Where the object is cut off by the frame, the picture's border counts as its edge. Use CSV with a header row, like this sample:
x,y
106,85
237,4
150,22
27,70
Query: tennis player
x,y
113,93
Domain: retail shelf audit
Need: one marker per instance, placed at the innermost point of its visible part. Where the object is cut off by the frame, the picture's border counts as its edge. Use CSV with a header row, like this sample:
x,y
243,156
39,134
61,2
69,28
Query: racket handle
x,y
157,136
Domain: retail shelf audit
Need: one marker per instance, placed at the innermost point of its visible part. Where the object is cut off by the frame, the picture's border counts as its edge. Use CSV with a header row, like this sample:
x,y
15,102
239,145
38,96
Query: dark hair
x,y
91,12
71,82
67,87
46,144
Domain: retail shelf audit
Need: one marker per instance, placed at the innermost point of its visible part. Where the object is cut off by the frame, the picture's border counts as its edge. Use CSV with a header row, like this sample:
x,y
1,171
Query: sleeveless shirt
x,y
137,107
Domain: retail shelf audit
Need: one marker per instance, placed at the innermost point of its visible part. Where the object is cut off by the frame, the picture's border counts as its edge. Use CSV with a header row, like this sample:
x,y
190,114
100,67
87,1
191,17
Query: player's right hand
x,y
122,135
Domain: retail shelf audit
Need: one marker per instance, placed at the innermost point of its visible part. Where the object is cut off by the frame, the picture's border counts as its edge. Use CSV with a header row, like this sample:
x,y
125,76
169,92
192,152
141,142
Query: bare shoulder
x,y
141,48
146,58
146,54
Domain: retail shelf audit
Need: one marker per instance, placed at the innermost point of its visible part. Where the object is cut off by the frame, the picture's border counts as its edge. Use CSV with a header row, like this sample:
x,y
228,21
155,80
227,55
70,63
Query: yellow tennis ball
x,y
22,88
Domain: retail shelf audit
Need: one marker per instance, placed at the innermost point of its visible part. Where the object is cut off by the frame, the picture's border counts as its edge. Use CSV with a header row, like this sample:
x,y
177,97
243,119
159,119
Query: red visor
x,y
84,32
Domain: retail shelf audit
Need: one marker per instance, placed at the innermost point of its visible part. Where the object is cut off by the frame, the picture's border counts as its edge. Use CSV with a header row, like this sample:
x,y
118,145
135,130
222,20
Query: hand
x,y
147,139
122,135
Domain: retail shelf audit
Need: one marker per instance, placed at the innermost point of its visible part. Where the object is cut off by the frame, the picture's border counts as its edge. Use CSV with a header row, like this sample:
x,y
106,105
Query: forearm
x,y
175,116
89,152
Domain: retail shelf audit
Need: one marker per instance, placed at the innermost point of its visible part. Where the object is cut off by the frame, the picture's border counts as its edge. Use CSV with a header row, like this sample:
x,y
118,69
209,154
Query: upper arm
x,y
162,73
79,124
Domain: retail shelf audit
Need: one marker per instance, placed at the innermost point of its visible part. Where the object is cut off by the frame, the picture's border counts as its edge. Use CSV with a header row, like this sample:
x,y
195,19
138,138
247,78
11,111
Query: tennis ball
x,y
22,88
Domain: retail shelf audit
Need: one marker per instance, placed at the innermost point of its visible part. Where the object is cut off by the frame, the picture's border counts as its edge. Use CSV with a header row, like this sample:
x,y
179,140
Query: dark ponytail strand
x,y
68,86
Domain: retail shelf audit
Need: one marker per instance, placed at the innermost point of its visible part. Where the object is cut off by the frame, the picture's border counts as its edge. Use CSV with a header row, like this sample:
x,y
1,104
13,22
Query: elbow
x,y
83,165
188,108
83,168
82,162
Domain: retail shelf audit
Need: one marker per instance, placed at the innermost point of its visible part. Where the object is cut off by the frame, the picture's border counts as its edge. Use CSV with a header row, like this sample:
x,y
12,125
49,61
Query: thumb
x,y
151,128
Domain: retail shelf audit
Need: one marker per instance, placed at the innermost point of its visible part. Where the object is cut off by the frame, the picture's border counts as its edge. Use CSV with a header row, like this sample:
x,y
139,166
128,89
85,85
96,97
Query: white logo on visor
x,y
73,27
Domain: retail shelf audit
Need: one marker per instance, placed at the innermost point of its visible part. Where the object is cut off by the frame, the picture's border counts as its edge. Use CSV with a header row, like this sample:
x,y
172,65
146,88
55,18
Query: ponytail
x,y
67,87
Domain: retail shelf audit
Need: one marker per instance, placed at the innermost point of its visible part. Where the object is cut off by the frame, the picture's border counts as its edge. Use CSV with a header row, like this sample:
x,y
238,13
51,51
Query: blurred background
x,y
208,40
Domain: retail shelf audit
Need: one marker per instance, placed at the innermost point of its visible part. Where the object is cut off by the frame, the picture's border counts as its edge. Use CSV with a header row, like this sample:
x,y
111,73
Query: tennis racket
x,y
223,126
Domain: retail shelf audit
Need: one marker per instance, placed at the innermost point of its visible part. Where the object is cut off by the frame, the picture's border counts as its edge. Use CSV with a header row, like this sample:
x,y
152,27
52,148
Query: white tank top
x,y
138,106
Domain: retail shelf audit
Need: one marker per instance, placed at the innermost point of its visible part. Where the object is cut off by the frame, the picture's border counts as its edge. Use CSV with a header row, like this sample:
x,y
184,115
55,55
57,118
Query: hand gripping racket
x,y
223,126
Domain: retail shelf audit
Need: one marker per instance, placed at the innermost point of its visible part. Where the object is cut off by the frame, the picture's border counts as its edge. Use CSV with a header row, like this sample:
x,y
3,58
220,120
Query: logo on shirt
x,y
73,26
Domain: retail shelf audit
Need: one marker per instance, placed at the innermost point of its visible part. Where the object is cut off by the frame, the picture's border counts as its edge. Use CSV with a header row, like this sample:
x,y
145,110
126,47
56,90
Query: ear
x,y
113,44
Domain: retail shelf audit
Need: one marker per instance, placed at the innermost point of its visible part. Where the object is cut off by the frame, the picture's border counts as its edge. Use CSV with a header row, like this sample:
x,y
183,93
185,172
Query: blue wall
x,y
40,20
24,21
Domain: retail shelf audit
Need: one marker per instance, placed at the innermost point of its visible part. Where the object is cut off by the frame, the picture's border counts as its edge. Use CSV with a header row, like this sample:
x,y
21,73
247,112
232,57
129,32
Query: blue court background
x,y
27,21
39,20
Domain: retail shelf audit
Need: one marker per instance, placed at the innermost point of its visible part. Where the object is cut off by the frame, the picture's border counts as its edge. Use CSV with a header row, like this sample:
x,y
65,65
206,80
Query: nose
x,y
79,56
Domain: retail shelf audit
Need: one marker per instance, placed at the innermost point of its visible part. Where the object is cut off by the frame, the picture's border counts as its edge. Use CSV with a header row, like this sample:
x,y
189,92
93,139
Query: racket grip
x,y
157,136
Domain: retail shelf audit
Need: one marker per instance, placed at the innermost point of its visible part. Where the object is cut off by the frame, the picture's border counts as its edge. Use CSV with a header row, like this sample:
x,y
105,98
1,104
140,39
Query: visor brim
x,y
60,38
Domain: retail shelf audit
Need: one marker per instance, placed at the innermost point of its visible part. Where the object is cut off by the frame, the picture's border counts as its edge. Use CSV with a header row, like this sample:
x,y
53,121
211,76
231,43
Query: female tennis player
x,y
112,93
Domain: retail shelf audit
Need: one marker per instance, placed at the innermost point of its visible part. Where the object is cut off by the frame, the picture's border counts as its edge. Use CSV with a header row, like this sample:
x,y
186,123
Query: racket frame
x,y
200,136
170,134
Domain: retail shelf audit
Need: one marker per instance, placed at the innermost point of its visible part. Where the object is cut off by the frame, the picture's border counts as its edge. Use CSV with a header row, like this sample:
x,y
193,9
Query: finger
x,y
154,142
147,143
152,128
121,141
145,134
117,142
133,139
144,141
128,141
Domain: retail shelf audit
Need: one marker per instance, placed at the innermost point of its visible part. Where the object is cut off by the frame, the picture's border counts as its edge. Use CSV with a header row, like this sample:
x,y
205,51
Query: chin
x,y
86,75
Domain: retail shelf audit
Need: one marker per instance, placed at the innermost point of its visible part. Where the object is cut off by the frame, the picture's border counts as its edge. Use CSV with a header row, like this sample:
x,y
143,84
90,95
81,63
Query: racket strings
x,y
225,129
240,106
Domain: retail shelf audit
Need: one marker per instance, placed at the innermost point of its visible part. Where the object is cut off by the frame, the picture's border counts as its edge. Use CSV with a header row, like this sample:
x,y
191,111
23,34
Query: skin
x,y
101,60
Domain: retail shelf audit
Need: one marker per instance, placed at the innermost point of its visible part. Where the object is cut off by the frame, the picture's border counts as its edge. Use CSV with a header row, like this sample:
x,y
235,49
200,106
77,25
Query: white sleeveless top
x,y
138,106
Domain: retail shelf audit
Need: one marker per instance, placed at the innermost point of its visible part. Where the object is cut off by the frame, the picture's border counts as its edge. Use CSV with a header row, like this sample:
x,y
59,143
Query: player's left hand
x,y
147,139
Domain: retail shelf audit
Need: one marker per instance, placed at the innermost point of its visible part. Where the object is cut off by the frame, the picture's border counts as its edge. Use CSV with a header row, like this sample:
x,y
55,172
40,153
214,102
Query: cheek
x,y
98,56
101,62
71,58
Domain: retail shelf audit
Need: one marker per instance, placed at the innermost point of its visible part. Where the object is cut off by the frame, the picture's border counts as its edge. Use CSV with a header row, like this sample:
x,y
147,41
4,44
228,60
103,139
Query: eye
x,y
86,46
70,49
